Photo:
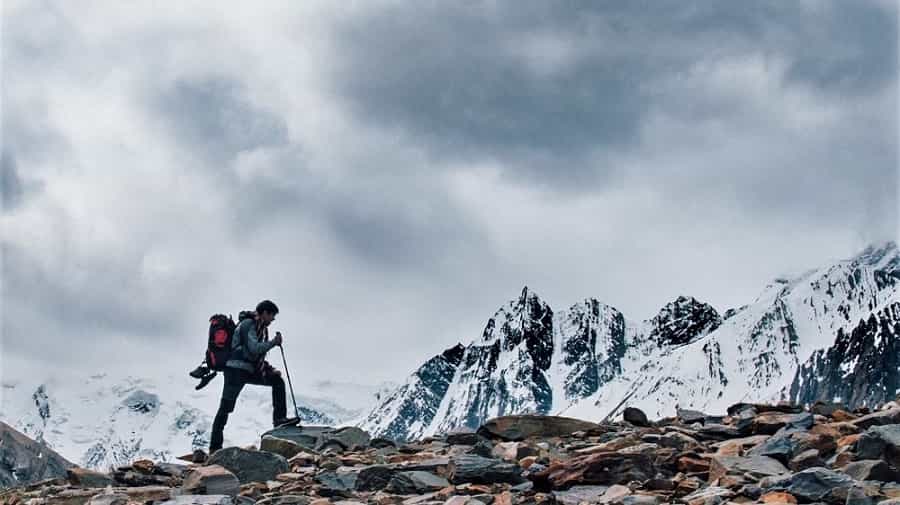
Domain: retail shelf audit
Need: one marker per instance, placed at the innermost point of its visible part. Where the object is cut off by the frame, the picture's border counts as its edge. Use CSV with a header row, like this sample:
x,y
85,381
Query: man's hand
x,y
277,338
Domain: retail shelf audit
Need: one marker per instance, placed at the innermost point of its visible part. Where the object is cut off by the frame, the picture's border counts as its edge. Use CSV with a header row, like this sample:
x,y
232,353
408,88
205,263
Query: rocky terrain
x,y
754,453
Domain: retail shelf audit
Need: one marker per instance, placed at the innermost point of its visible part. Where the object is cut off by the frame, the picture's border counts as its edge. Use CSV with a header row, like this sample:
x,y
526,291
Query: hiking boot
x,y
199,372
287,421
205,380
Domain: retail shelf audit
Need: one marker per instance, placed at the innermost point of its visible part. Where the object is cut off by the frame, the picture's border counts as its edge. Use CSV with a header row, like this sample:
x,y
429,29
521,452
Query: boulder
x,y
250,466
872,469
514,428
213,480
480,470
83,477
603,468
755,466
636,417
880,442
282,446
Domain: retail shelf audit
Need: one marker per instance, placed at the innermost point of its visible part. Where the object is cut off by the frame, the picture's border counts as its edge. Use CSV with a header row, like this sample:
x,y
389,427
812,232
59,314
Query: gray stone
x,y
350,437
880,442
199,499
756,466
639,499
282,446
250,466
872,469
415,482
806,459
337,483
885,417
374,477
479,470
287,499
857,496
689,416
780,447
711,494
578,494
463,436
814,484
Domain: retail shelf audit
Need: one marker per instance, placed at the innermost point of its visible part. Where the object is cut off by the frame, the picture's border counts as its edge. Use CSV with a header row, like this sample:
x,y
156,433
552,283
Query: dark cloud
x,y
543,87
11,187
391,173
213,115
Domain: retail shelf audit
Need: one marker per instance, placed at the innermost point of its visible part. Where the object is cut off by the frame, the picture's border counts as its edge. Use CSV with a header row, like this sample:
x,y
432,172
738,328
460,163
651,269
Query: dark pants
x,y
235,379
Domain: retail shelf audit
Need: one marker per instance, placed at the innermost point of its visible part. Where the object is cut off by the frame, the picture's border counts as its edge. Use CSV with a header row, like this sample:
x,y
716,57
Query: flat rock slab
x,y
813,485
514,428
250,466
319,438
198,499
891,416
415,482
578,494
757,466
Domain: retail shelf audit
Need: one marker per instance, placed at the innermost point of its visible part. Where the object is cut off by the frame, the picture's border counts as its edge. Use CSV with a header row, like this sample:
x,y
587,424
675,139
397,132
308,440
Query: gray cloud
x,y
11,187
213,115
390,174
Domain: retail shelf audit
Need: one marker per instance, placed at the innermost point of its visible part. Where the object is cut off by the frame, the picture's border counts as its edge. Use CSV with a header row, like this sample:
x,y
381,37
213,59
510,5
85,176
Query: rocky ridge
x,y
754,453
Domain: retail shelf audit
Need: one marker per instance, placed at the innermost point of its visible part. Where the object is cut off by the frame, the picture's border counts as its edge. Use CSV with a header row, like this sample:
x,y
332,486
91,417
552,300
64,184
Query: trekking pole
x,y
291,386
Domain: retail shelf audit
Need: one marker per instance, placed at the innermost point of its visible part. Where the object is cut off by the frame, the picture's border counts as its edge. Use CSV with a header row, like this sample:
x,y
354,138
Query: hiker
x,y
246,365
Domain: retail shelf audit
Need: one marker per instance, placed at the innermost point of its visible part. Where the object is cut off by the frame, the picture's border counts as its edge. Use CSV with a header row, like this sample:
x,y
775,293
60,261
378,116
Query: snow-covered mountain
x,y
590,361
862,367
103,421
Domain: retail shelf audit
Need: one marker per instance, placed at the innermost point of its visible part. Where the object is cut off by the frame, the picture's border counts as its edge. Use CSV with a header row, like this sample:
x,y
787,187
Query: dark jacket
x,y
247,357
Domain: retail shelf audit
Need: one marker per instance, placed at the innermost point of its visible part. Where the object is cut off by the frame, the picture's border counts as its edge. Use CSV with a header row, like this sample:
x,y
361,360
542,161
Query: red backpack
x,y
221,331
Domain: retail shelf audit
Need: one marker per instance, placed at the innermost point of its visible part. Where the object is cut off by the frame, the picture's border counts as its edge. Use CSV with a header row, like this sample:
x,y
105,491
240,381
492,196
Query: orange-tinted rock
x,y
778,497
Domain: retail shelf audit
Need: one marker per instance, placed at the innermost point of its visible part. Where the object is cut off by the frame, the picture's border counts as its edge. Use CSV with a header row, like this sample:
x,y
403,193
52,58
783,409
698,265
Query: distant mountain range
x,y
829,333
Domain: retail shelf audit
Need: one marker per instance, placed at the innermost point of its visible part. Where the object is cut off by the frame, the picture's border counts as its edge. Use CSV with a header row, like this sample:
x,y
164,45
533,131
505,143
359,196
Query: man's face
x,y
267,317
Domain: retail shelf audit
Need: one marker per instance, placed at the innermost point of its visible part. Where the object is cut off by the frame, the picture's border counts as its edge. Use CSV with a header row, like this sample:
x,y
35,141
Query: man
x,y
246,365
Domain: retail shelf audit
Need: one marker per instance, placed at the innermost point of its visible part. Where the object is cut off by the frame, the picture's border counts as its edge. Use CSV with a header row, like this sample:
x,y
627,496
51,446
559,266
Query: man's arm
x,y
256,346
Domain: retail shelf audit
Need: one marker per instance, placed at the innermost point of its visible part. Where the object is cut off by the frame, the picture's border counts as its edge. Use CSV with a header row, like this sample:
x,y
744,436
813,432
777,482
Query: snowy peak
x,y
592,345
408,410
527,319
683,321
861,368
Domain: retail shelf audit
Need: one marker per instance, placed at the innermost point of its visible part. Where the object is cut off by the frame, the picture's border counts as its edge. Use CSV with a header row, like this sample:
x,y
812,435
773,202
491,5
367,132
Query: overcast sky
x,y
390,173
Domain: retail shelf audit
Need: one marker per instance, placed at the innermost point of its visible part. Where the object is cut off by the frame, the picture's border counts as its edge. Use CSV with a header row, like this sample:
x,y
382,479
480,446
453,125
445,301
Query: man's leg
x,y
269,377
234,382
